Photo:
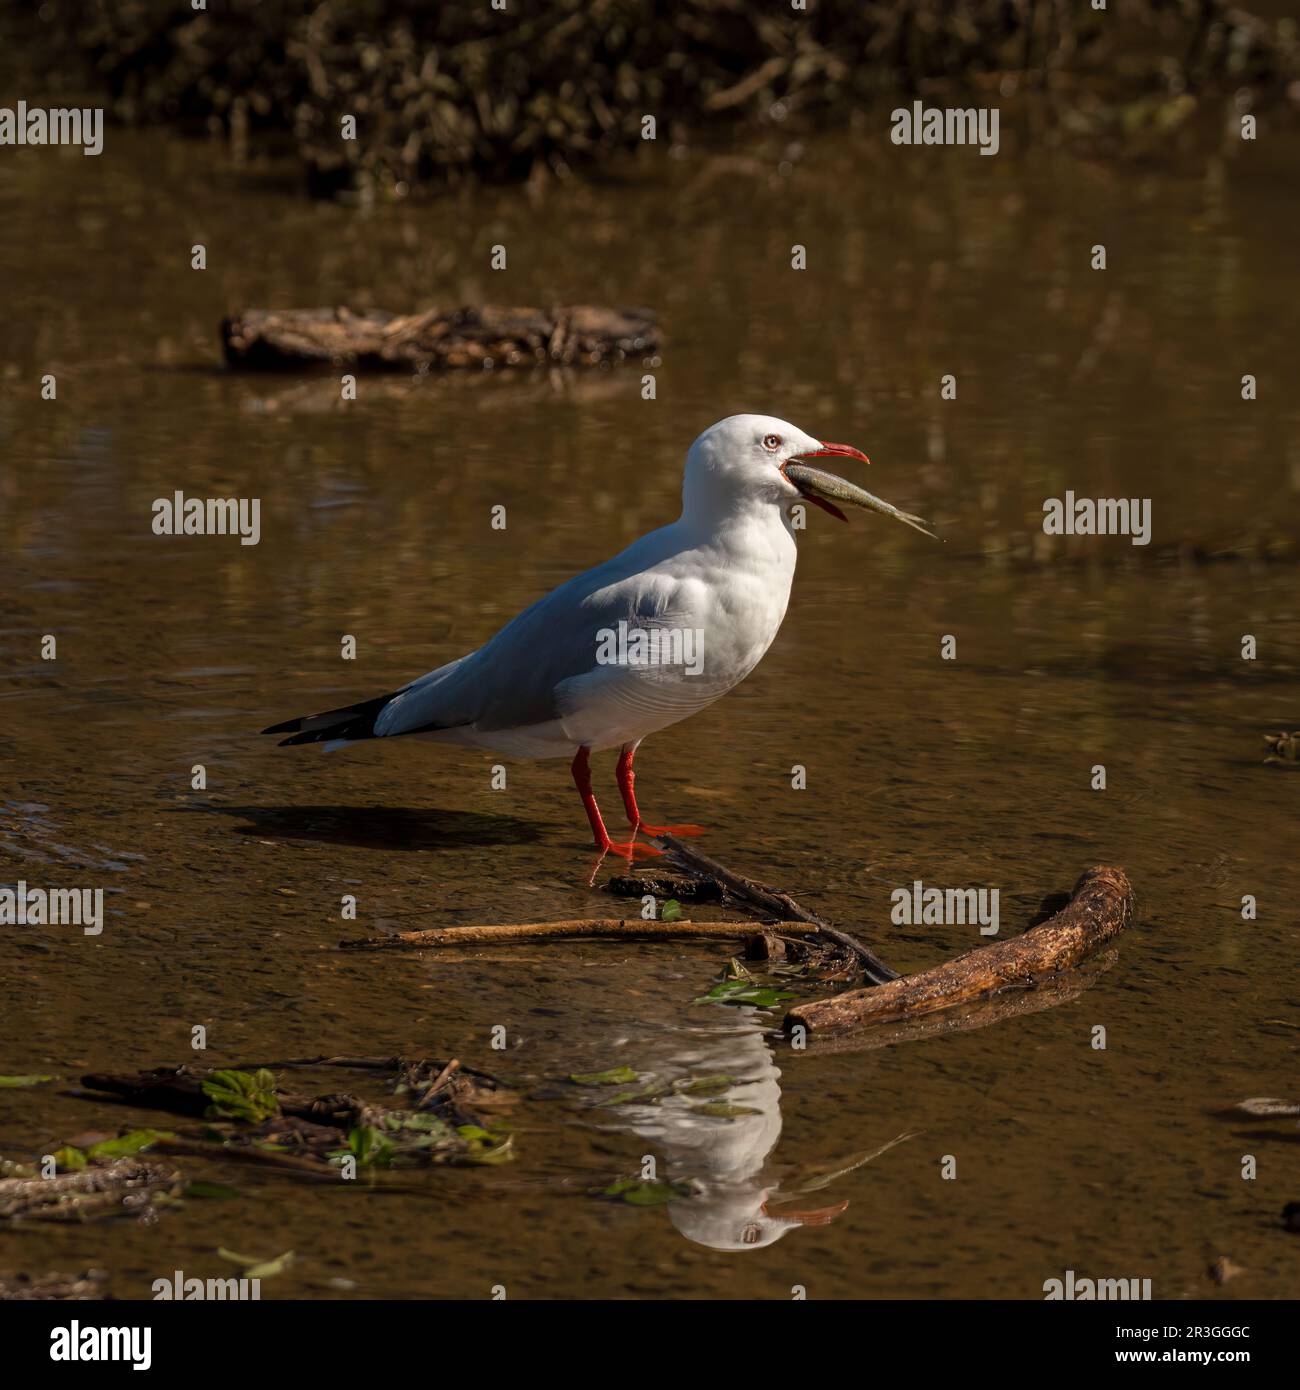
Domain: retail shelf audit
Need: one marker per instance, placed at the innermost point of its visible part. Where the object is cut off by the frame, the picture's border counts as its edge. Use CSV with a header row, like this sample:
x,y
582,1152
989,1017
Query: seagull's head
x,y
742,461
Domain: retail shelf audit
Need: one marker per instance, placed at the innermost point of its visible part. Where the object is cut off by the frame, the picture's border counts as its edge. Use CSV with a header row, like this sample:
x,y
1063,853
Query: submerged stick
x,y
1099,909
771,900
487,336
596,927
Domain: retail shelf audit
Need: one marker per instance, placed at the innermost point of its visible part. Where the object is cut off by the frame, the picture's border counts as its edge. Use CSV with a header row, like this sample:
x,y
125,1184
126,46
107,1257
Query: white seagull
x,y
623,650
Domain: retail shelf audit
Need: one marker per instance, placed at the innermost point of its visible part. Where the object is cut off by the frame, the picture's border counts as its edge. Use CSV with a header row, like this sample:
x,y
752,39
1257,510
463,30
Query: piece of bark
x,y
592,927
772,902
1100,907
1013,1002
373,340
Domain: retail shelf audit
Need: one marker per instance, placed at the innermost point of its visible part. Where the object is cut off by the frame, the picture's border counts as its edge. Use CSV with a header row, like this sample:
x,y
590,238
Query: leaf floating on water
x,y
255,1267
271,1268
218,1191
745,992
652,1090
126,1145
671,911
70,1159
648,1192
369,1147
1267,1105
242,1095
24,1080
484,1146
615,1076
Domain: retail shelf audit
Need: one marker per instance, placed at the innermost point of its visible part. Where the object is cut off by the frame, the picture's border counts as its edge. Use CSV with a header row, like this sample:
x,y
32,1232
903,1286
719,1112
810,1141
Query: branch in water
x,y
594,927
1100,908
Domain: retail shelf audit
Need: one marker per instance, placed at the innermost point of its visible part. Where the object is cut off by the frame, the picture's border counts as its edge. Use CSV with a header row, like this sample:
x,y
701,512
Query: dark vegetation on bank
x,y
441,91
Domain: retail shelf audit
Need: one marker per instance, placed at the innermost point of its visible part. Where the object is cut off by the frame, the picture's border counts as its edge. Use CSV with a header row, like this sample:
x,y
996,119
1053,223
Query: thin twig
x,y
771,900
599,927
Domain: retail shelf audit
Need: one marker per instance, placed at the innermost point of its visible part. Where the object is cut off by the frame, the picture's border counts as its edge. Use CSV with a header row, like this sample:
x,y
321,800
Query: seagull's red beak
x,y
830,451
846,451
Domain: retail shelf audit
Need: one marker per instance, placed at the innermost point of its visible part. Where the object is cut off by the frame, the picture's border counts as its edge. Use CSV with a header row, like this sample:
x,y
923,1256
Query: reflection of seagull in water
x,y
725,1157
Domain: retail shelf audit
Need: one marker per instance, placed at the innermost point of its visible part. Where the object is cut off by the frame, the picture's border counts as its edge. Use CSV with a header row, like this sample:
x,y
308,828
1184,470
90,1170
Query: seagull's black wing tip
x,y
289,726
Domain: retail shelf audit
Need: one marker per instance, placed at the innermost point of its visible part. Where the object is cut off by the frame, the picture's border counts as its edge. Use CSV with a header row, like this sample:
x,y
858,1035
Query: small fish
x,y
828,488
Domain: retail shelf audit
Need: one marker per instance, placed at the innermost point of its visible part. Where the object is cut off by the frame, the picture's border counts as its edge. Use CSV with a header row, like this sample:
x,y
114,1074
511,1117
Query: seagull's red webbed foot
x,y
627,785
629,849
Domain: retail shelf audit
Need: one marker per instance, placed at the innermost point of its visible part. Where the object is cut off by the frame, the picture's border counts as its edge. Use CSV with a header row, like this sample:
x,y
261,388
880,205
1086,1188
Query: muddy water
x,y
223,904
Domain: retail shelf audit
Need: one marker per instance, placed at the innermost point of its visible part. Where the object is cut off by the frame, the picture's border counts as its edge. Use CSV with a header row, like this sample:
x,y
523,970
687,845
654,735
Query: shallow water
x,y
223,904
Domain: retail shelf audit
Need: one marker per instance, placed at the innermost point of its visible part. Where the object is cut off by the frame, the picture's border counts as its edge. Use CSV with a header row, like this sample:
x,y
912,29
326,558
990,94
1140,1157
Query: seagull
x,y
638,643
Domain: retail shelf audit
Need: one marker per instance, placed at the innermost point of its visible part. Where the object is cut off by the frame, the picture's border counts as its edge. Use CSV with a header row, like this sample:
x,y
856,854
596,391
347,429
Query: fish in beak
x,y
824,489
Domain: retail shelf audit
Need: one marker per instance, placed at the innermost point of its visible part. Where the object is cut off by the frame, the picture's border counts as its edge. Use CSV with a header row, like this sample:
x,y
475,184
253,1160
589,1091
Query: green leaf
x,y
744,992
702,1085
24,1080
127,1144
670,911
216,1190
613,1077
69,1159
369,1147
647,1192
652,1090
241,1095
485,1147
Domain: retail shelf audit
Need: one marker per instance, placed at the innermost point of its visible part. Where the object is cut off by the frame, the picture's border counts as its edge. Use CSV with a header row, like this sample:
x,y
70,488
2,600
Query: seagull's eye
x,y
772,443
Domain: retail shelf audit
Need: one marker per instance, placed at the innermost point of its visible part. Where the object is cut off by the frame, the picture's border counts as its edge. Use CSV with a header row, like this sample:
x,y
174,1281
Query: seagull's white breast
x,y
723,601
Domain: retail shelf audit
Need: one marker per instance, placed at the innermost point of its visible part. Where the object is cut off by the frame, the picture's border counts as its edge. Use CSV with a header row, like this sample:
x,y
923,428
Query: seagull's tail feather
x,y
343,725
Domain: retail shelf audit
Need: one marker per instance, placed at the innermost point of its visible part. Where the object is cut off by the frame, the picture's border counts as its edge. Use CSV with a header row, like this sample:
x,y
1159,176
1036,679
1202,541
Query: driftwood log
x,y
1100,907
1037,995
597,927
580,334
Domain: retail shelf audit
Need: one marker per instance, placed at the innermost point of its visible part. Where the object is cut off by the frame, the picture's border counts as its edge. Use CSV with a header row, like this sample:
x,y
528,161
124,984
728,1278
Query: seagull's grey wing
x,y
513,681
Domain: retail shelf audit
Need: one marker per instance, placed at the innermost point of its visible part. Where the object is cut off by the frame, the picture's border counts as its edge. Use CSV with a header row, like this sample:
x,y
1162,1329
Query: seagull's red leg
x,y
582,777
627,785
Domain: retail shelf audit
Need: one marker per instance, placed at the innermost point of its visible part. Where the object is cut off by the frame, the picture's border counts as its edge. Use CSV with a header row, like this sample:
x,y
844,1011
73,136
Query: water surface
x,y
223,904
